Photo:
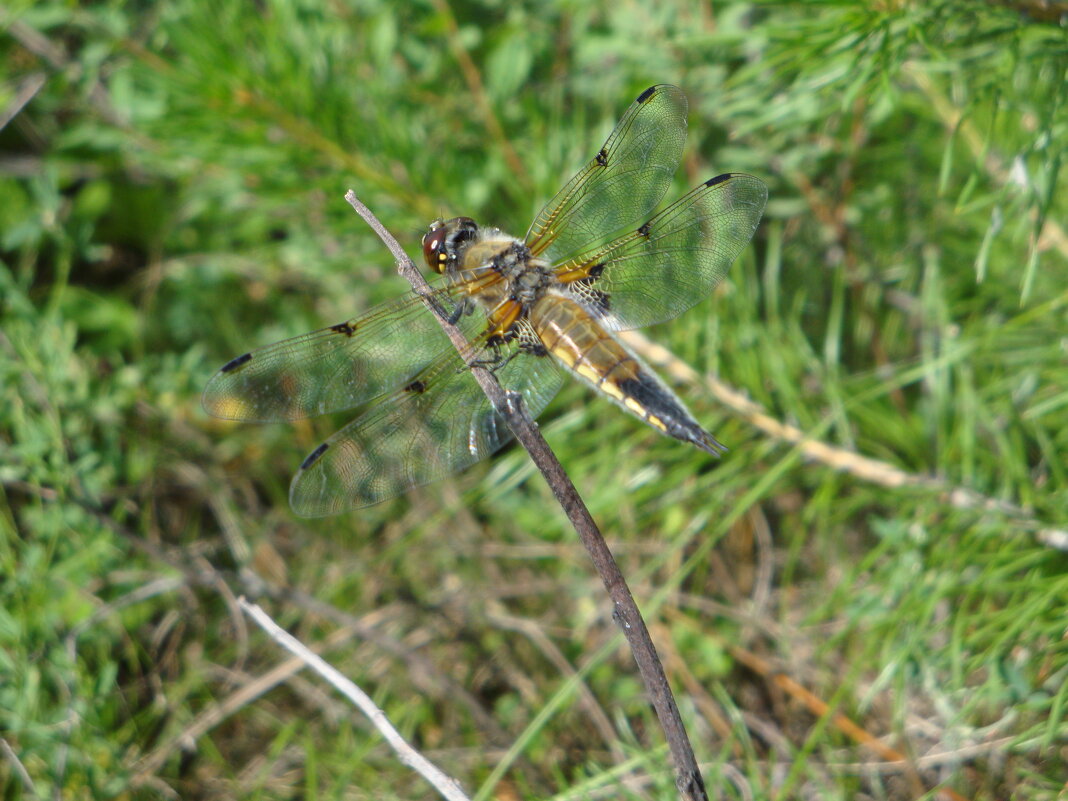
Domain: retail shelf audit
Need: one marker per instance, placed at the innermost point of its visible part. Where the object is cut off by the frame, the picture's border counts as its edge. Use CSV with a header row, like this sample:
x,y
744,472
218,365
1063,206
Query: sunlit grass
x,y
171,196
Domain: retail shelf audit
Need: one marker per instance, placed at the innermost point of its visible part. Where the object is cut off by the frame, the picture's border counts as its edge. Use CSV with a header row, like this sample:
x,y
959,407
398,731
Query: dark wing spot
x,y
594,299
602,157
600,301
313,457
418,387
644,230
595,270
233,364
718,179
646,94
343,328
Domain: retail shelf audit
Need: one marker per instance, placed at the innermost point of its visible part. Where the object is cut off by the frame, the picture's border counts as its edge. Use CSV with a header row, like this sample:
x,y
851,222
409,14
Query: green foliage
x,y
171,181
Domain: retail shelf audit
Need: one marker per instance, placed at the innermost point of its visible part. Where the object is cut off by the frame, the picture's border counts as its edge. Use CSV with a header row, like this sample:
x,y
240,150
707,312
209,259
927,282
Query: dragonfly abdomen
x,y
576,338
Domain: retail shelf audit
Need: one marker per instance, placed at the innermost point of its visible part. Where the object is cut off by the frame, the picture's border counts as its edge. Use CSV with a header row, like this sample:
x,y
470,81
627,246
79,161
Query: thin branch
x,y
196,573
861,467
624,610
17,768
447,786
26,91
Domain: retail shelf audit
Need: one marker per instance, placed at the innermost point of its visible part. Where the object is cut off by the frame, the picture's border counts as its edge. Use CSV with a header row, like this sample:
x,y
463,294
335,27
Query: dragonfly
x,y
595,261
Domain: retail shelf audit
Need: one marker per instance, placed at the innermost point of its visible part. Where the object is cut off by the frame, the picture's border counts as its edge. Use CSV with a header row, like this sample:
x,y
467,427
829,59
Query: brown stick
x,y
625,611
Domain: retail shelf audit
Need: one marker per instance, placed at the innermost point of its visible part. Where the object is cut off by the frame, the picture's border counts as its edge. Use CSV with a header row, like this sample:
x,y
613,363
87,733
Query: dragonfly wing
x,y
622,183
440,423
665,266
335,368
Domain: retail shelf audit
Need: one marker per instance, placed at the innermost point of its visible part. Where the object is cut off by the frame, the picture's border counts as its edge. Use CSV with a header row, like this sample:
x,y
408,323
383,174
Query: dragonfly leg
x,y
465,306
493,358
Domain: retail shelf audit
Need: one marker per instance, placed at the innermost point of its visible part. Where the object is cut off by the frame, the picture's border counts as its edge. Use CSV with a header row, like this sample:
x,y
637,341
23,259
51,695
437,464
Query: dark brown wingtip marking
x,y
418,387
719,179
313,457
602,158
233,364
343,328
646,94
600,301
644,230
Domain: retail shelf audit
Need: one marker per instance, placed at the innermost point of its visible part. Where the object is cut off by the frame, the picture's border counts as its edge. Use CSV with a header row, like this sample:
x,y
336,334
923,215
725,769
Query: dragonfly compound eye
x,y
433,247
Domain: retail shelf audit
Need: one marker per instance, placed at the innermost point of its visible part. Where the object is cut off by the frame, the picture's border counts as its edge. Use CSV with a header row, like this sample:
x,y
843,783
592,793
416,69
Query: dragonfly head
x,y
445,241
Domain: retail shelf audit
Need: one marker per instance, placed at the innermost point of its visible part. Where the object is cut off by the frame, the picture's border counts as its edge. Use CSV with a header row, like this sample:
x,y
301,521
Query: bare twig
x,y
864,468
26,91
447,786
625,611
17,768
196,573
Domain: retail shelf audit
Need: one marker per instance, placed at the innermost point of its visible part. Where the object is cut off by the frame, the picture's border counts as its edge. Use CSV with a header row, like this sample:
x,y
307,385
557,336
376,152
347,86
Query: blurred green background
x,y
171,181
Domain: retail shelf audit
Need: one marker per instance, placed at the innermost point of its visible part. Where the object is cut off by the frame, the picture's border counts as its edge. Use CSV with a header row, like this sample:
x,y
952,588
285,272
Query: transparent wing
x,y
674,260
441,423
623,182
338,367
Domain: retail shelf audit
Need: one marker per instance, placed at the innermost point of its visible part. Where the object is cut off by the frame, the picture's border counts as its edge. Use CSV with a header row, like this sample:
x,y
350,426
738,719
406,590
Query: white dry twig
x,y
447,786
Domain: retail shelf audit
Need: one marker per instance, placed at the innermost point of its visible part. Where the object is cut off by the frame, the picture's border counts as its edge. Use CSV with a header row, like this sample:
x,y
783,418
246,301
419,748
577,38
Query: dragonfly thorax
x,y
493,267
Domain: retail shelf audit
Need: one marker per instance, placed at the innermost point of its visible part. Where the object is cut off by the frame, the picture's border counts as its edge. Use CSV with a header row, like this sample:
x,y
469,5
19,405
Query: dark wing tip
x,y
647,94
313,457
218,399
719,179
233,364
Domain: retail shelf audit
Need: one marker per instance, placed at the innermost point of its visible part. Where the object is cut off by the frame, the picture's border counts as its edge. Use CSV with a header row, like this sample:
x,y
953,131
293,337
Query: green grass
x,y
171,195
